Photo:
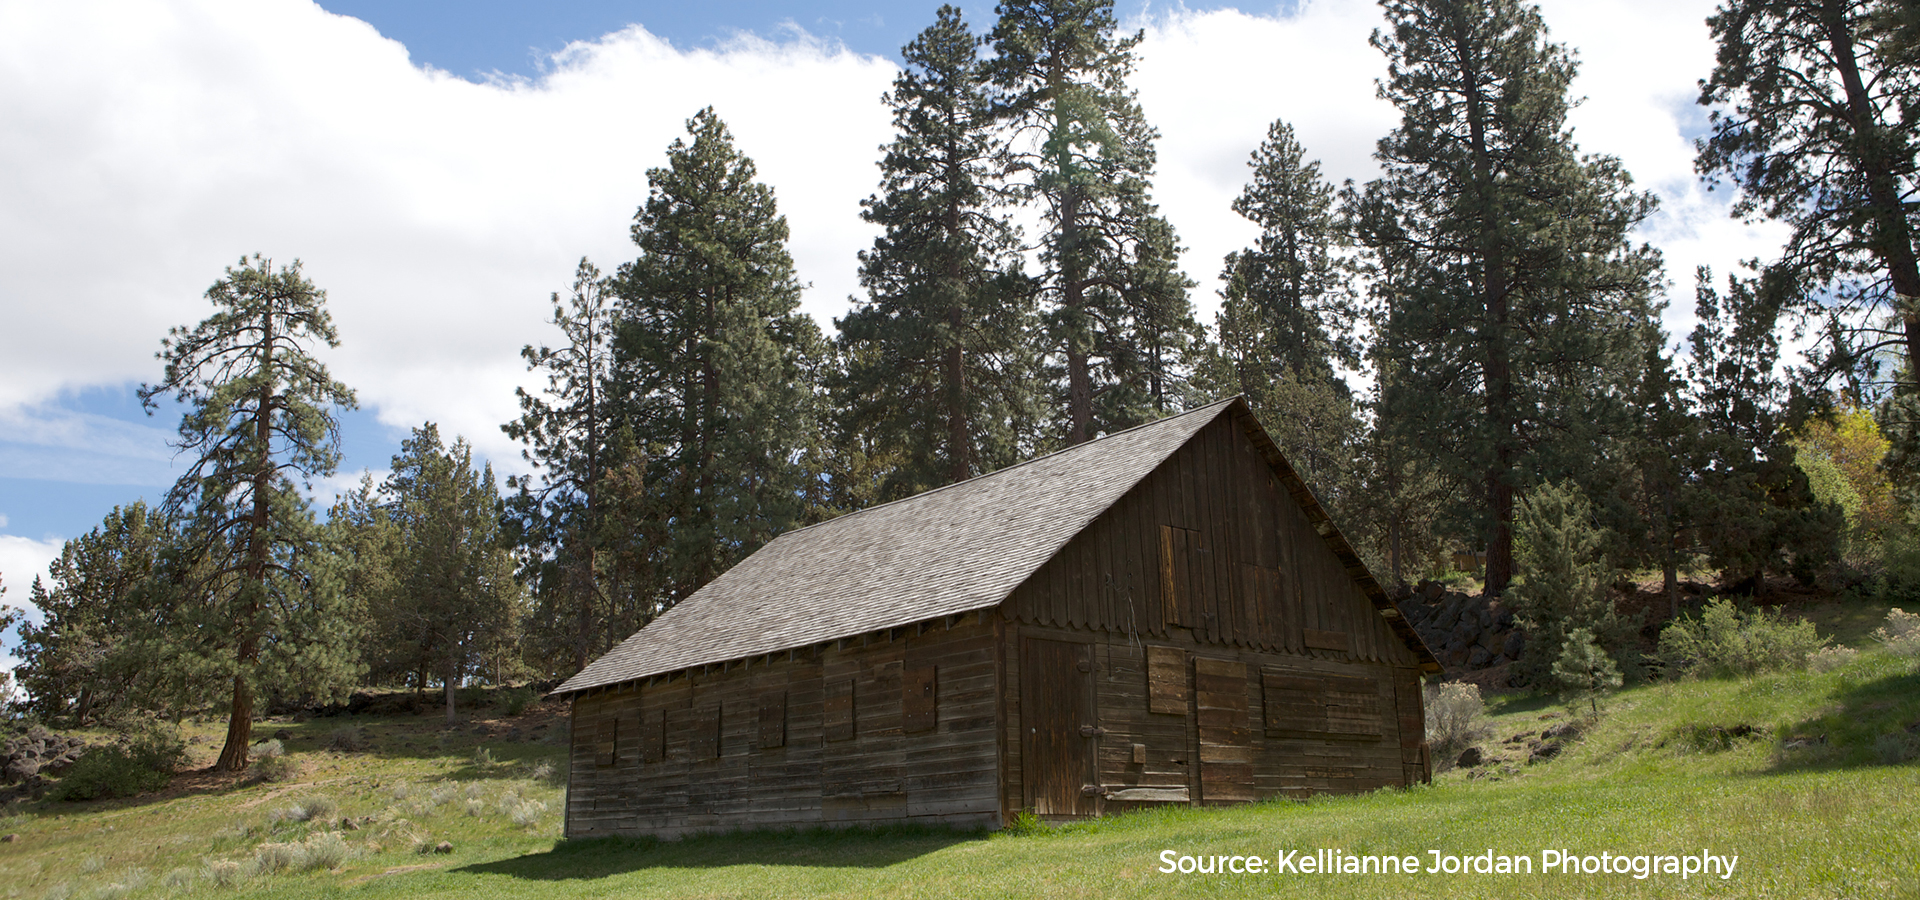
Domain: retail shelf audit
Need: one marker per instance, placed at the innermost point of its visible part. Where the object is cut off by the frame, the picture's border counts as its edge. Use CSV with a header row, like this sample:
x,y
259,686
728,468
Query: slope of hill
x,y
1801,784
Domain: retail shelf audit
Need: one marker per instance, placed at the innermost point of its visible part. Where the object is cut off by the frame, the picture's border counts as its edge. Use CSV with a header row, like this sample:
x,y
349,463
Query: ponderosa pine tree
x,y
714,362
1815,121
252,605
941,358
1117,314
1518,304
1286,320
560,514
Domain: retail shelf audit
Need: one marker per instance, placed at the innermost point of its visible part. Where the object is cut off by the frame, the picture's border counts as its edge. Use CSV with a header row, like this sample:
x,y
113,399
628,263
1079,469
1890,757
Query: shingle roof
x,y
955,549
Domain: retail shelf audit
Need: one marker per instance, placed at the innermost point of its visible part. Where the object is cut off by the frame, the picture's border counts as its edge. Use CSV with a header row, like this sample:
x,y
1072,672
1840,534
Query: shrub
x,y
542,771
277,768
518,699
527,812
1827,659
347,740
326,850
140,762
1901,634
1725,640
269,749
1454,712
313,809
225,872
271,858
476,807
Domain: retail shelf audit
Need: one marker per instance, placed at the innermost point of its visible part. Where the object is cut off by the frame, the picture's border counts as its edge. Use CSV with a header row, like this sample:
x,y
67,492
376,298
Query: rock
x,y
1469,758
283,735
443,847
347,824
1562,730
1478,656
1544,751
1516,642
1490,641
9,839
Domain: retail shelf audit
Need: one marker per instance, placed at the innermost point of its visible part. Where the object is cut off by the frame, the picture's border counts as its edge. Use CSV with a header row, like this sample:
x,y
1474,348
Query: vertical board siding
x,y
1210,546
816,739
1211,557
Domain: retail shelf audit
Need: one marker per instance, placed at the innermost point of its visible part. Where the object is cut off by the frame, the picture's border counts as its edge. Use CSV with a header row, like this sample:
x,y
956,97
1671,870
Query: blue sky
x,y
440,167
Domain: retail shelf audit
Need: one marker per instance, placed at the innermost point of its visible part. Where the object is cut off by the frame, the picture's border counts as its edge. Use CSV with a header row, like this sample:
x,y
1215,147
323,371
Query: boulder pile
x,y
1465,632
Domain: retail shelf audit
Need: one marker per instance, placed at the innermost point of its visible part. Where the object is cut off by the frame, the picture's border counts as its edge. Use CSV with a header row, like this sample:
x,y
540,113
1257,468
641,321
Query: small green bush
x,y
140,762
1726,640
277,768
518,699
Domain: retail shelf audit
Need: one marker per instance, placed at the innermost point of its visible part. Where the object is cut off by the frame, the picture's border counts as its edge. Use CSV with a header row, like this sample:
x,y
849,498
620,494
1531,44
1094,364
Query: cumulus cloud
x,y
150,144
21,561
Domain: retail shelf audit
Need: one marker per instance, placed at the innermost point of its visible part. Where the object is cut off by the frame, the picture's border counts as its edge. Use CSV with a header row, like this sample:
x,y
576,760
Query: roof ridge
x,y
1025,462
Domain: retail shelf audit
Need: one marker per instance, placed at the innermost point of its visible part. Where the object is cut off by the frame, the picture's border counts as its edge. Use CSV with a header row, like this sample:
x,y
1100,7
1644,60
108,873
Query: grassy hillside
x,y
1787,772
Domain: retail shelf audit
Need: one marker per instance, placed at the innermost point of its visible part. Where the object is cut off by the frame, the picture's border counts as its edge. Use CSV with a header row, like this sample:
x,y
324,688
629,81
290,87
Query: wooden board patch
x,y
773,720
1167,680
839,710
919,691
1327,640
705,740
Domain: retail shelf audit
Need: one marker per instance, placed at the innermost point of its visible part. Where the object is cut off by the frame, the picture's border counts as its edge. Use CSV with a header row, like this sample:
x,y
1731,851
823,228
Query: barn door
x,y
1058,729
1226,746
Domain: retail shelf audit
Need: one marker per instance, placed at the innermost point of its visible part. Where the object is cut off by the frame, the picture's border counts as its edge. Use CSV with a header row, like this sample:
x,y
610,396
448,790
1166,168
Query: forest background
x,y
1465,355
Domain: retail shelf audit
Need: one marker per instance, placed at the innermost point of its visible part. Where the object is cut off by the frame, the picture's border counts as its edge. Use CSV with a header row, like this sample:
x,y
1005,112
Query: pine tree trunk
x,y
1890,237
450,714
233,756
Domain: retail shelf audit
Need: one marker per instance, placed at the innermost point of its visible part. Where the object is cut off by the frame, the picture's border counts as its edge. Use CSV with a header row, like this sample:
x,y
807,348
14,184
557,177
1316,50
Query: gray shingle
x,y
956,549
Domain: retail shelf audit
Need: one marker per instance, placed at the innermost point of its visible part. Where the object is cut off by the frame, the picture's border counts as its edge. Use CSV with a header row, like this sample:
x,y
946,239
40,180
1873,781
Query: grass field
x,y
1803,796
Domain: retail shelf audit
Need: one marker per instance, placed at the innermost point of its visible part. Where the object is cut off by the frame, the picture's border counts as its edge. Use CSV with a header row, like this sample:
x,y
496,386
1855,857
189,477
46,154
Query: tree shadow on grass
x,y
1875,722
836,848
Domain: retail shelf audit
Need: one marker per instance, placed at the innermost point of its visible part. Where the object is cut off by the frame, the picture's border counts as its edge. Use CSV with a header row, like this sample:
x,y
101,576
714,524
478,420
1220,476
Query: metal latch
x,y
1092,731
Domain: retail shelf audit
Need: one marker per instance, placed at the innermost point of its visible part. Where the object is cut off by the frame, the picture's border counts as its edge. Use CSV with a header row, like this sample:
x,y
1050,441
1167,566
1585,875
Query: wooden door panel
x,y
1056,702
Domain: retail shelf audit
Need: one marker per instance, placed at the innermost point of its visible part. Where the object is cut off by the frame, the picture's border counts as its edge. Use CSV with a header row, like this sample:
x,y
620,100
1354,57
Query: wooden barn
x,y
1164,615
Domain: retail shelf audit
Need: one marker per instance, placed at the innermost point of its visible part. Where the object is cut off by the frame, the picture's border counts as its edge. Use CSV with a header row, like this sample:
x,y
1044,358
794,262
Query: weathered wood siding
x,y
894,726
1211,547
1234,656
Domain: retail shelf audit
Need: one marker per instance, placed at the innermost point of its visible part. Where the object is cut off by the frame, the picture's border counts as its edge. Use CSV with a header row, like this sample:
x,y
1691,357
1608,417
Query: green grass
x,y
1665,769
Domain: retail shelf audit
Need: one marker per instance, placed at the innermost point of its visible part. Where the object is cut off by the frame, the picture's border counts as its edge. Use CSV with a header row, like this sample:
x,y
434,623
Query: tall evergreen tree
x,y
457,606
1518,304
560,514
1116,306
254,607
941,357
1285,319
1761,512
713,362
1816,123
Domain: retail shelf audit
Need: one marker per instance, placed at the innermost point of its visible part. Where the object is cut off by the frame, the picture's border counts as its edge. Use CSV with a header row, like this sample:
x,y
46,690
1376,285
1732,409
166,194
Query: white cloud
x,y
150,144
21,561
